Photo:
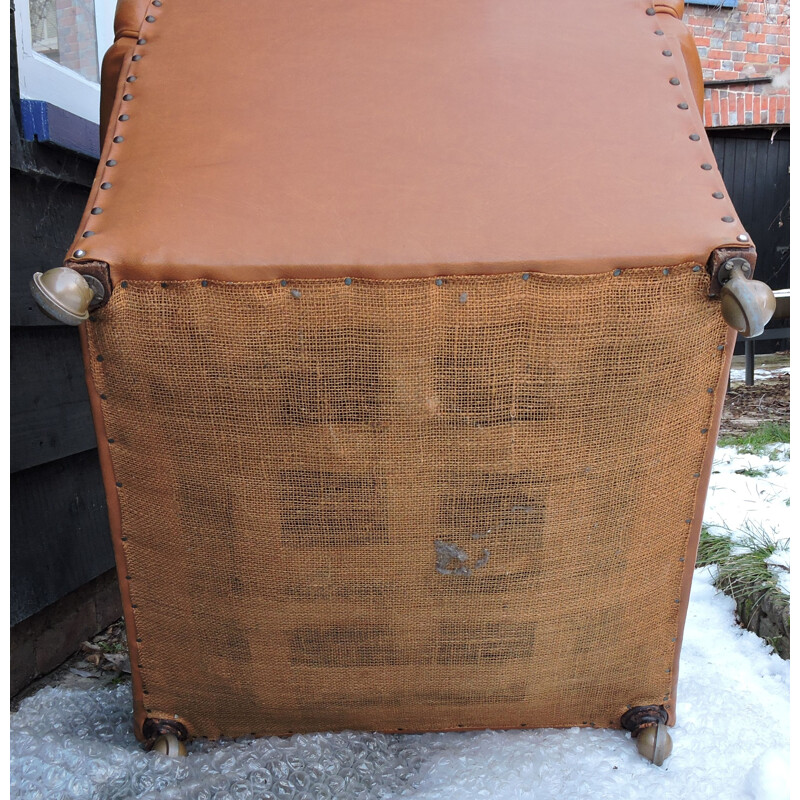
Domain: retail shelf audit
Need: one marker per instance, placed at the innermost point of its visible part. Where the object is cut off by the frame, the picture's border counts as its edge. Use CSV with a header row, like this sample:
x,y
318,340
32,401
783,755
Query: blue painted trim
x,y
714,3
44,122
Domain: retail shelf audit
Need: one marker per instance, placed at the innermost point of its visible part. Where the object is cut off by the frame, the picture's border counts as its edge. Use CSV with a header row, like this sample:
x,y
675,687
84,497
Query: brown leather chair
x,y
407,359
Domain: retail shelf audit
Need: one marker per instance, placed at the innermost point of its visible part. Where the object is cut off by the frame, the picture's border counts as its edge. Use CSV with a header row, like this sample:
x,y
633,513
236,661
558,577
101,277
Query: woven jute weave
x,y
399,505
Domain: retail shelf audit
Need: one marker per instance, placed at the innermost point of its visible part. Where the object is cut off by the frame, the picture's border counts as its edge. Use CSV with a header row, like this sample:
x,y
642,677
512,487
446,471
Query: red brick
x,y
754,37
724,75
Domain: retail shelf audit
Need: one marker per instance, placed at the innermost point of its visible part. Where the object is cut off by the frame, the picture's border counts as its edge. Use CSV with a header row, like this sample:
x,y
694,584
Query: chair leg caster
x,y
169,745
654,743
647,725
165,736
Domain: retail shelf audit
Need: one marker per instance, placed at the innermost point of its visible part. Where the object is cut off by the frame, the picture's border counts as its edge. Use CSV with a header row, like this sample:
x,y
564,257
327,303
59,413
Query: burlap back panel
x,y
401,505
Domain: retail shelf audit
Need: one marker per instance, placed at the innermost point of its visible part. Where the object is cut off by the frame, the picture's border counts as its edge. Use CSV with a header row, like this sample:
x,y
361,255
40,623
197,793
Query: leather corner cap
x,y
129,16
388,140
673,7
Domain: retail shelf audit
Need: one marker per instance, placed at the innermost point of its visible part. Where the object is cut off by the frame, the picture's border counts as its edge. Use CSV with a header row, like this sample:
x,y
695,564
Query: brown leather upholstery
x,y
390,139
262,141
674,7
127,20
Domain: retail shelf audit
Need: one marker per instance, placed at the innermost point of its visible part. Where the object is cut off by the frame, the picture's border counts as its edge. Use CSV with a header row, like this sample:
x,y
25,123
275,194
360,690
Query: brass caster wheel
x,y
65,295
169,745
654,743
747,305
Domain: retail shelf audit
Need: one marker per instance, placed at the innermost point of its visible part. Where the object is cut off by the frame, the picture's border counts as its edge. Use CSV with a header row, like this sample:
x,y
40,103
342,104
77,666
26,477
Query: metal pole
x,y
749,362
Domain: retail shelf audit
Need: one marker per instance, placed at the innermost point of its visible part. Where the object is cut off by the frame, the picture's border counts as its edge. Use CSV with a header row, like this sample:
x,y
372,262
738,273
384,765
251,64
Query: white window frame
x,y
41,78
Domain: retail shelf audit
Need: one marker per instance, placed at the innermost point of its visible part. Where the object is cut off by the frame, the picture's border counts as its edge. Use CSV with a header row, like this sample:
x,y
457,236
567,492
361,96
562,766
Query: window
x,y
60,47
67,34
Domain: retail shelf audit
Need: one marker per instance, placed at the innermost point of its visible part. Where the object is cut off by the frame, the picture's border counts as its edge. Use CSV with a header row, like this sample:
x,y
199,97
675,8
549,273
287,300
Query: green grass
x,y
741,566
753,472
712,549
759,440
111,647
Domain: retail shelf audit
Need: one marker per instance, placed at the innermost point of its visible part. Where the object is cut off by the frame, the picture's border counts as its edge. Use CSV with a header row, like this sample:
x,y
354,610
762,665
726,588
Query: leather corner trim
x,y
672,7
720,256
128,17
115,523
97,269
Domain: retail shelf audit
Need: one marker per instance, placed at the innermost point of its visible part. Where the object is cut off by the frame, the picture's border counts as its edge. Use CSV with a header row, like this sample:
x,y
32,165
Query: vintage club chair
x,y
406,345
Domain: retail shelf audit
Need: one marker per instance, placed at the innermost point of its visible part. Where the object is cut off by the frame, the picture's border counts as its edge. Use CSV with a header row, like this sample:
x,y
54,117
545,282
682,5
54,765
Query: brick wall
x,y
749,41
77,40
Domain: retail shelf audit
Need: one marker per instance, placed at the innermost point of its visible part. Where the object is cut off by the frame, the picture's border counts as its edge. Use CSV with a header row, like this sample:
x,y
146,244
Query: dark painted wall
x,y
755,168
59,526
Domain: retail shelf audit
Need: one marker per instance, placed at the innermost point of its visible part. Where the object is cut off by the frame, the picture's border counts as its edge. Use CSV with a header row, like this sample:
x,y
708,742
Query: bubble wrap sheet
x,y
731,741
